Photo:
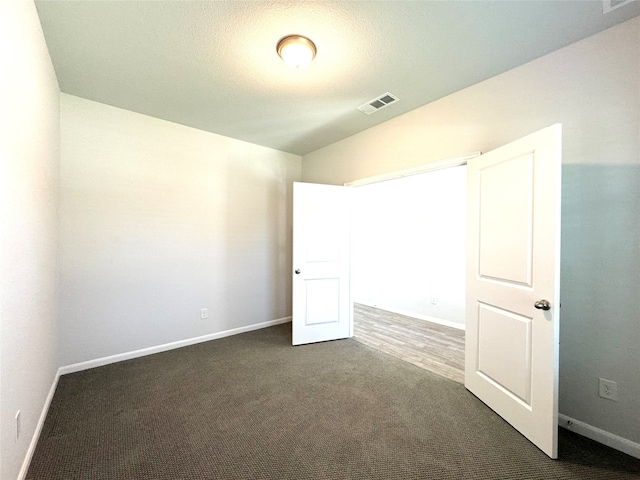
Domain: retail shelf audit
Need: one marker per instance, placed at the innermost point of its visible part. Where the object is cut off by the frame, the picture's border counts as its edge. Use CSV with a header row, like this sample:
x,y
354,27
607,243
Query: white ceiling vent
x,y
608,5
376,104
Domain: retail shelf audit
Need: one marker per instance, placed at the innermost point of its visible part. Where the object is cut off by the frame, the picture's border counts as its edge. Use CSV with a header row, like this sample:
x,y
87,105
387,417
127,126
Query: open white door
x,y
513,308
321,283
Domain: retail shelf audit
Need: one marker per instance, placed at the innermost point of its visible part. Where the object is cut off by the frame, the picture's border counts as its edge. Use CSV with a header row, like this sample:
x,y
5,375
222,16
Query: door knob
x,y
297,271
542,305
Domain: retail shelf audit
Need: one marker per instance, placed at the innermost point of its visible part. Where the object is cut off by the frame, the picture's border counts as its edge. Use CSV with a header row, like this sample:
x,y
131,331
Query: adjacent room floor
x,y
434,347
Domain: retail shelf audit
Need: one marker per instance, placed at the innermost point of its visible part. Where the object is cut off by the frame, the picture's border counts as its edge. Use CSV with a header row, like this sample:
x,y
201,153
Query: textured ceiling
x,y
213,65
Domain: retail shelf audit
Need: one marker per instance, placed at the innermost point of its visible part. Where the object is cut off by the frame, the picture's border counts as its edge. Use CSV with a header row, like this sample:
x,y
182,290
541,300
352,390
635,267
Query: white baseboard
x,y
99,362
36,434
407,313
77,367
600,436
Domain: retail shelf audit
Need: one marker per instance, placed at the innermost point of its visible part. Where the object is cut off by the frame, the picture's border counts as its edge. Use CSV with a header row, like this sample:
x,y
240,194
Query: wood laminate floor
x,y
425,344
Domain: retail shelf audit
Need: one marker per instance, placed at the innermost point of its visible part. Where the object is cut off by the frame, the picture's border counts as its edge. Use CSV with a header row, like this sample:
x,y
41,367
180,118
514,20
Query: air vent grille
x,y
608,5
376,104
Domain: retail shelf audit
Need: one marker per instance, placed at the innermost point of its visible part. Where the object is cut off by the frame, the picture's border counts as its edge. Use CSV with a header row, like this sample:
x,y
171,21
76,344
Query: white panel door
x,y
321,283
513,238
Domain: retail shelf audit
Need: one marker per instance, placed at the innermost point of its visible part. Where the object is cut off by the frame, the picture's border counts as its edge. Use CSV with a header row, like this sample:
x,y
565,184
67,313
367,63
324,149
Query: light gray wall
x,y
159,220
593,89
29,164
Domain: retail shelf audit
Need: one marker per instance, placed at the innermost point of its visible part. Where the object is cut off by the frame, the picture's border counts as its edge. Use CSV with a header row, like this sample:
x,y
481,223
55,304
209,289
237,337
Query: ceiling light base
x,y
296,51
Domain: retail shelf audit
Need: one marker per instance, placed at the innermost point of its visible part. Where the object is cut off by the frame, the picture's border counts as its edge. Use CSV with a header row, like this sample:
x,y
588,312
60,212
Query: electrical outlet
x,y
608,389
17,424
434,300
204,313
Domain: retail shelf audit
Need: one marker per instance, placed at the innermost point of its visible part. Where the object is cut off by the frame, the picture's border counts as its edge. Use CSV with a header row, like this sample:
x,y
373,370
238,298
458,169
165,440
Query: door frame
x,y
531,423
424,168
457,161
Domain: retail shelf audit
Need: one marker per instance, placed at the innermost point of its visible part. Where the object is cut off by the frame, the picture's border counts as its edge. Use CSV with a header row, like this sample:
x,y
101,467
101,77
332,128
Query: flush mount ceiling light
x,y
296,51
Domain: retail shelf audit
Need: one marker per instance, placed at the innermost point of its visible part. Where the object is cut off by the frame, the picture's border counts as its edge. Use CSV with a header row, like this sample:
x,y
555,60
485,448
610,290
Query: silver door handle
x,y
542,305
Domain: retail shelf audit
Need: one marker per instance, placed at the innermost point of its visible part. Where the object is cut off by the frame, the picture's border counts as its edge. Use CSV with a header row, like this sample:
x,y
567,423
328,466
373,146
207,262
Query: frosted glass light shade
x,y
296,51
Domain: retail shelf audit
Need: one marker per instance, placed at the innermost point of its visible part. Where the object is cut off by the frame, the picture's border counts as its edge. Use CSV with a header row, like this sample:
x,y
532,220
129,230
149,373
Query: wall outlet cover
x,y
608,389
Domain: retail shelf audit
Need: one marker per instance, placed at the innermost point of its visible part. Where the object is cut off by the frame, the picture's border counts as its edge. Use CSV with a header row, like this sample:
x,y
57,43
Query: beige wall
x,y
29,161
593,89
159,220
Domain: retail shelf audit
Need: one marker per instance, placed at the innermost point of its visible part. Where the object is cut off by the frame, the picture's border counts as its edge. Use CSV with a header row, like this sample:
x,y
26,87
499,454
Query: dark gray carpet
x,y
254,407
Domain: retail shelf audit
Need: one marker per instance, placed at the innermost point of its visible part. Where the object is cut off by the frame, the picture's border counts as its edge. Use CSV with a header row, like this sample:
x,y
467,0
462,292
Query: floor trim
x,y
601,436
407,313
36,434
77,367
99,362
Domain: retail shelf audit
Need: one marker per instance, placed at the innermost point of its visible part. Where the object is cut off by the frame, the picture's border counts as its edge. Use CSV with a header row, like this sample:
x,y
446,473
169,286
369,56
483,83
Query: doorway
x,y
408,260
513,238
